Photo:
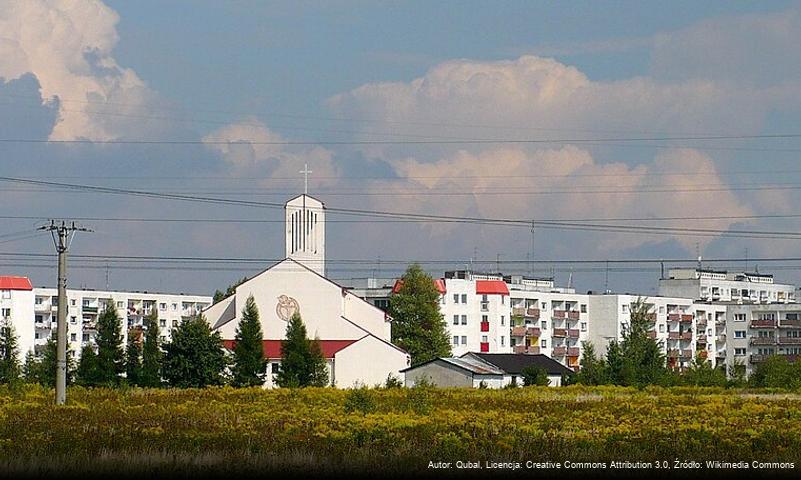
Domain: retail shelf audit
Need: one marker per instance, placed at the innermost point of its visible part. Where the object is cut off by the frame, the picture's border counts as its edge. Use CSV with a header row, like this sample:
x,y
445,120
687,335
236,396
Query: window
x,y
662,309
502,341
740,352
39,300
544,343
503,322
583,308
162,322
72,302
484,298
39,319
625,308
455,298
503,300
464,298
484,318
175,323
456,319
73,320
583,326
73,337
739,317
85,302
739,334
661,328
791,316
544,306
162,306
85,337
6,312
120,304
174,307
464,319
544,325
464,340
483,339
36,335
5,293
456,340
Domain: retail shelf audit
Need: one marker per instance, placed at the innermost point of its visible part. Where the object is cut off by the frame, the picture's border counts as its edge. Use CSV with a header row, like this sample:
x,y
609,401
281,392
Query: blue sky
x,y
206,72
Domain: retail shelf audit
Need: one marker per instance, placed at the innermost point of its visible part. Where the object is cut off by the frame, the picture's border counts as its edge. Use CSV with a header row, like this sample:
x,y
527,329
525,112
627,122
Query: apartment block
x,y
755,332
722,286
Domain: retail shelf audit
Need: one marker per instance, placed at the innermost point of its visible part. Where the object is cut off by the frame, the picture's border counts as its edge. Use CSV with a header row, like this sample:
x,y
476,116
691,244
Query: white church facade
x,y
354,334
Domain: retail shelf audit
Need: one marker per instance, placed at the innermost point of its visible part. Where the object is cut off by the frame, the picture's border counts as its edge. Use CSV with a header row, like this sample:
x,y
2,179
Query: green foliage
x,y
219,295
736,374
150,376
360,400
638,360
535,376
593,369
419,397
133,359
110,354
302,361
702,374
250,366
194,357
43,370
417,323
87,373
776,372
10,369
393,381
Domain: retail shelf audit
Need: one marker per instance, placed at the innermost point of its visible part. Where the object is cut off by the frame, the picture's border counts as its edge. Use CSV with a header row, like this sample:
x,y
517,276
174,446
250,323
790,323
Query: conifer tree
x,y
302,362
87,373
110,354
133,358
417,323
10,368
194,358
593,369
151,353
44,370
30,368
250,366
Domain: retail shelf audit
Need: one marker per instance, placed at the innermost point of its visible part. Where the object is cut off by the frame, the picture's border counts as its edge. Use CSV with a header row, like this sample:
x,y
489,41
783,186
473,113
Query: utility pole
x,y
63,234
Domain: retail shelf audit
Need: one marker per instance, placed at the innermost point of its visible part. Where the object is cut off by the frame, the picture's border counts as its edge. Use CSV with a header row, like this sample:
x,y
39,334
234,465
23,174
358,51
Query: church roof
x,y
272,348
300,197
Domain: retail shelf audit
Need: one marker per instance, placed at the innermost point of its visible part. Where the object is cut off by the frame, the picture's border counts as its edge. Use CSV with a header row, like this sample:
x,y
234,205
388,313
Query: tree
x,y
776,372
417,323
614,363
219,295
302,361
702,374
87,373
593,369
43,371
133,357
736,374
150,375
250,366
535,376
30,368
110,354
9,353
194,357
638,358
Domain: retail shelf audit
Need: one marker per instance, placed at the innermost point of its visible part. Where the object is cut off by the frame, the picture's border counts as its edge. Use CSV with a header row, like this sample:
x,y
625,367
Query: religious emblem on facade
x,y
286,307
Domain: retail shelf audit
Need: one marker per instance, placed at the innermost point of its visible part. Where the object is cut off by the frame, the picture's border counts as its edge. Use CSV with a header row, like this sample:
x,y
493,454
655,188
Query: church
x,y
354,334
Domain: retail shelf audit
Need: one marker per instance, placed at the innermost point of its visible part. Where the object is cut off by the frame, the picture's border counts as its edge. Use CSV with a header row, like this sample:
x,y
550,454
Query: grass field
x,y
400,430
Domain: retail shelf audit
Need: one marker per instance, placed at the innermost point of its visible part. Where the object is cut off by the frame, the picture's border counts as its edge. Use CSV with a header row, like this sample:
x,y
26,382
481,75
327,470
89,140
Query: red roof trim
x,y
491,287
439,283
272,348
15,283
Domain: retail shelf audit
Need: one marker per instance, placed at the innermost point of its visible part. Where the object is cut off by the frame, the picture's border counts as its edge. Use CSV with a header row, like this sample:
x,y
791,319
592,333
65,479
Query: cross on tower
x,y
305,173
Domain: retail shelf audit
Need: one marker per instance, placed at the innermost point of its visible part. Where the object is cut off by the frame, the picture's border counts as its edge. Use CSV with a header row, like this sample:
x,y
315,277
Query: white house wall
x,y
368,362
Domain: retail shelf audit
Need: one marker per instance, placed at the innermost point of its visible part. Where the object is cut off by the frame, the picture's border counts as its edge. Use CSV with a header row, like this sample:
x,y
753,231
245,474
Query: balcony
x,y
763,341
674,317
89,325
652,334
763,323
651,317
533,312
519,331
560,332
559,351
789,341
721,338
687,319
559,313
573,351
41,307
573,315
687,336
700,324
518,311
522,349
790,324
674,335
756,358
703,354
485,326
484,347
686,353
533,331
701,339
572,333
673,353
88,309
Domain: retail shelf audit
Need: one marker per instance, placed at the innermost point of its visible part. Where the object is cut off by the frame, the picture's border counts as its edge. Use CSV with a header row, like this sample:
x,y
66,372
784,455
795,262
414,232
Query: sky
x,y
634,115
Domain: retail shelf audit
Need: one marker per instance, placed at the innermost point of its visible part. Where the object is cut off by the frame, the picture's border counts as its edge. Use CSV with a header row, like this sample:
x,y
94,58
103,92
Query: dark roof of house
x,y
472,365
514,363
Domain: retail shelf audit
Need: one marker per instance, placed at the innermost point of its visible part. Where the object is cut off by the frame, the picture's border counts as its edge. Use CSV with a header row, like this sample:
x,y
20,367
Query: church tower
x,y
305,232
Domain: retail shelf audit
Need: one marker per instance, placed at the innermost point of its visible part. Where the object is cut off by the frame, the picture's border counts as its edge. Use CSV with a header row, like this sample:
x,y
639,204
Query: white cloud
x,y
67,45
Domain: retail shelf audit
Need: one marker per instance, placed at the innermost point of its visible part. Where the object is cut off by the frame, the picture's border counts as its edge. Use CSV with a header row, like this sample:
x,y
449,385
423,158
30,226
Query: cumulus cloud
x,y
67,45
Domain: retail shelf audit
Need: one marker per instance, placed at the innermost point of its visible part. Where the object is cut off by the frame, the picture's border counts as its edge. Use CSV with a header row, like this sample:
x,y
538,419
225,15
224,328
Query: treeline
x,y
638,360
194,357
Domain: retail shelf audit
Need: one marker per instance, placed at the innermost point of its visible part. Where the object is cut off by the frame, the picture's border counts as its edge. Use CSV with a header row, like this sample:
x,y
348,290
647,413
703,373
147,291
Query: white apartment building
x,y
684,328
16,307
549,320
34,313
722,286
476,311
755,332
